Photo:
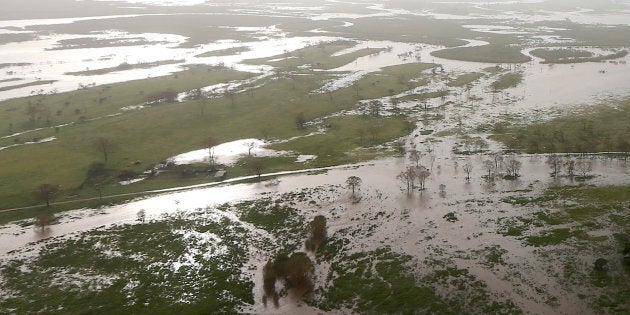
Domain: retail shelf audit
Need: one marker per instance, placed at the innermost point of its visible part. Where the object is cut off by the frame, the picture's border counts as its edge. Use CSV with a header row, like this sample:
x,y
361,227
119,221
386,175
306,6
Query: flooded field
x,y
389,120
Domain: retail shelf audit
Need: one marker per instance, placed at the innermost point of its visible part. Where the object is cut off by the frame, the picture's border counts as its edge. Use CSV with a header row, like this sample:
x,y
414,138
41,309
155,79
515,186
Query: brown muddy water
x,y
416,224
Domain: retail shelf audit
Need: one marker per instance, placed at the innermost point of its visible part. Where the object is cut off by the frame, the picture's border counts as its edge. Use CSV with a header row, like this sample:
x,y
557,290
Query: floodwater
x,y
545,90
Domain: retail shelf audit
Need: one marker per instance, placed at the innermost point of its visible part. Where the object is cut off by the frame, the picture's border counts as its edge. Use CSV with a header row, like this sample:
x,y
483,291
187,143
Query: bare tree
x,y
202,102
374,107
32,111
489,166
104,146
408,177
374,131
555,162
467,168
250,146
46,193
394,101
353,182
361,135
210,142
513,167
422,174
583,167
229,94
141,215
570,165
37,111
256,165
415,156
498,159
44,219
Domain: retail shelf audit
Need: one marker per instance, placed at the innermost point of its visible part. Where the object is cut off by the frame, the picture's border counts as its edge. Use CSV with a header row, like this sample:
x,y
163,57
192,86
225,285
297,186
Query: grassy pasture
x,y
153,134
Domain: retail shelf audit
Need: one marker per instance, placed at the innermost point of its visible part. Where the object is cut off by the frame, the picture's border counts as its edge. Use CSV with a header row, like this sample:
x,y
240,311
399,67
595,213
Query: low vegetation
x,y
125,66
25,85
589,227
601,128
574,55
489,53
174,265
224,52
508,80
465,79
384,282
320,56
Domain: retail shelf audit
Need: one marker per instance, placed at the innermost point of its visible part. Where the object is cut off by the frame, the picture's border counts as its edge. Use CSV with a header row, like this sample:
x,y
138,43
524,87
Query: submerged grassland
x,y
210,259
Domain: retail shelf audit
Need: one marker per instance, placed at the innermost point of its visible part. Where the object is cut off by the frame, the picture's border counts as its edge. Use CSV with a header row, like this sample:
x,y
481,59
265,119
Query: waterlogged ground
x,y
480,241
475,246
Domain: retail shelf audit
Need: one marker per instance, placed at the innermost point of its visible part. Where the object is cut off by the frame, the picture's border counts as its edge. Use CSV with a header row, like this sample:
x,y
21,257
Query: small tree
x,y
256,165
46,193
394,101
104,146
353,182
250,146
422,174
43,220
316,233
570,165
374,108
141,215
555,162
489,166
513,168
498,160
210,142
408,177
467,168
300,121
202,102
583,167
374,131
415,156
230,94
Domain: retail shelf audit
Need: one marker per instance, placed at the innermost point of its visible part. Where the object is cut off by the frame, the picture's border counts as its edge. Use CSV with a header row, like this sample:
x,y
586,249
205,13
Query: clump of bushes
x,y
295,272
316,233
